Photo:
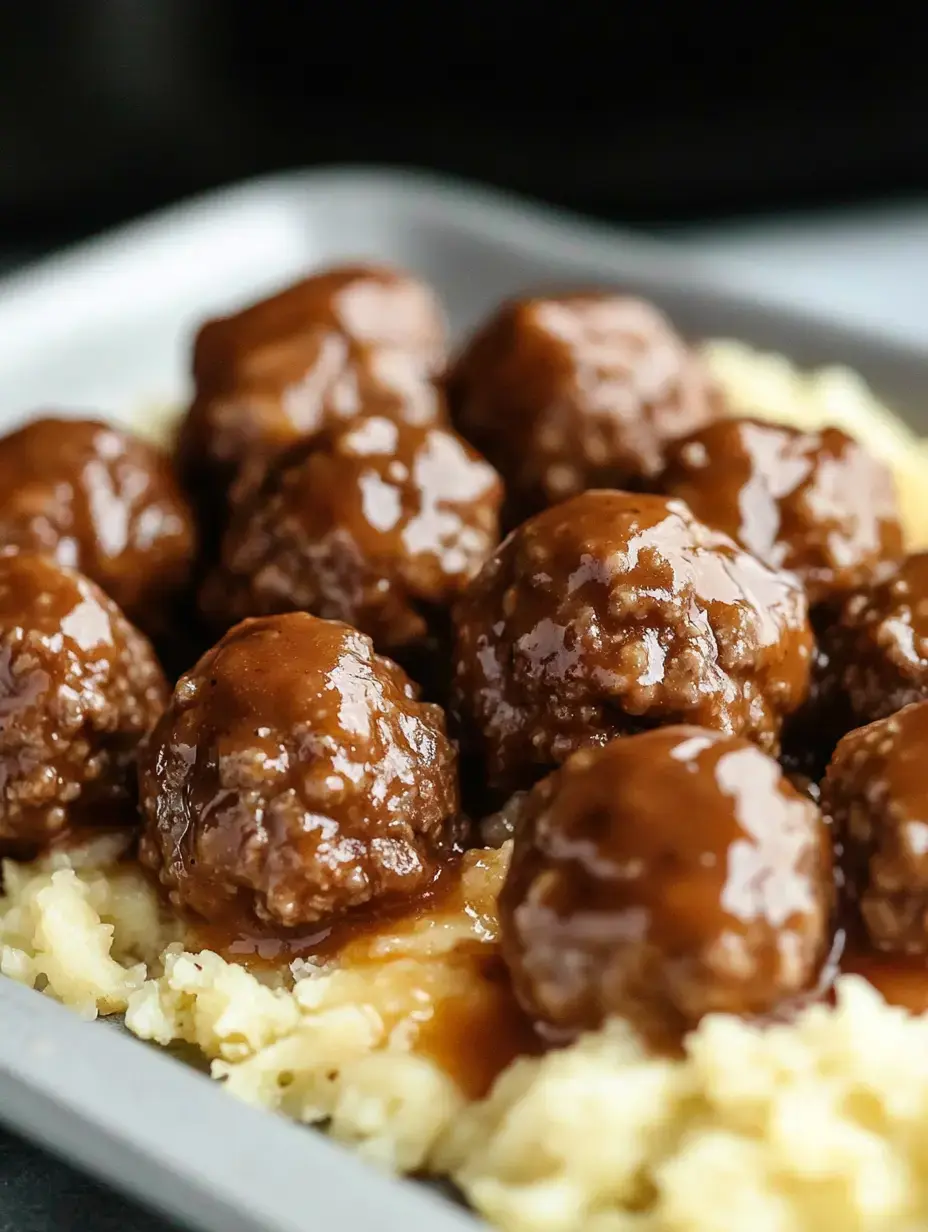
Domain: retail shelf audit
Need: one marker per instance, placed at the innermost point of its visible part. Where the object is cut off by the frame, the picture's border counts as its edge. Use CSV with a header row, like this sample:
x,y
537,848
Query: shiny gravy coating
x,y
682,599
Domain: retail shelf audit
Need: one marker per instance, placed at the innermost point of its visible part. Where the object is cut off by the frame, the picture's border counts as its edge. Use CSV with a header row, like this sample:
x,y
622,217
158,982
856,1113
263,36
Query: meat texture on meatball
x,y
79,688
294,776
814,502
874,648
662,877
581,391
614,612
347,340
104,502
876,793
376,523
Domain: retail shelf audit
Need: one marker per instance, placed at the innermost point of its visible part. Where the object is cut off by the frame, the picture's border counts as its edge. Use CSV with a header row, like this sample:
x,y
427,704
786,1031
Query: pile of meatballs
x,y
380,603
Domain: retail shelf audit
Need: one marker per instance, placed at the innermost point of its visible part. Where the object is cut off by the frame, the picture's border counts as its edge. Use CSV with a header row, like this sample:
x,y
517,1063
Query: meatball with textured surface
x,y
376,523
79,688
663,877
326,349
614,612
813,502
576,392
876,792
874,648
294,776
102,501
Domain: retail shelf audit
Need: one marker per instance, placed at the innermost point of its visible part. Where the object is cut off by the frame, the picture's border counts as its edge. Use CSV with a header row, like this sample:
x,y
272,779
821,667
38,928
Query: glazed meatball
x,y
813,502
104,502
663,877
326,349
376,523
876,793
79,688
577,392
875,647
294,776
613,612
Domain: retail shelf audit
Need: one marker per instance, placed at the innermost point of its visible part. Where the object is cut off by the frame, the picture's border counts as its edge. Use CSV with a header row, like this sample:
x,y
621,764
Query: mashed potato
x,y
81,926
157,423
347,1043
820,1123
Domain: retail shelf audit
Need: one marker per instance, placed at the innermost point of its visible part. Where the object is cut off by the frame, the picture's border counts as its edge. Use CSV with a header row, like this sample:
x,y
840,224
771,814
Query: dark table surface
x,y
41,1194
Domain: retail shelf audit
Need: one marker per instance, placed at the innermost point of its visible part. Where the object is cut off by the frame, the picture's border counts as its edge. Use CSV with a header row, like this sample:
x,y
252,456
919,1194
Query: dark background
x,y
644,113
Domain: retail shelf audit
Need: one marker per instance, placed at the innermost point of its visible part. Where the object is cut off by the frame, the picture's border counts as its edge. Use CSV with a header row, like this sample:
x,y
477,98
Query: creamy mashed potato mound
x,y
82,926
819,1123
343,1042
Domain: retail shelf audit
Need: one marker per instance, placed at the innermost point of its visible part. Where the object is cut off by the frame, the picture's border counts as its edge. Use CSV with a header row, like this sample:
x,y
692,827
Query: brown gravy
x,y
476,1036
266,947
901,979
472,1036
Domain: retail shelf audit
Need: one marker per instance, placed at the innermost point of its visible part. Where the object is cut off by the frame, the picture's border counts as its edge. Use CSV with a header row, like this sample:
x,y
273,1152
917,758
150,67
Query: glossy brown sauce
x,y
473,1035
815,503
610,613
901,979
297,719
266,947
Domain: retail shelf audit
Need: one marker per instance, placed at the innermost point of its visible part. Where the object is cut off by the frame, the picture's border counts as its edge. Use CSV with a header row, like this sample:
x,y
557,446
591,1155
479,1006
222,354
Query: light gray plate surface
x,y
107,329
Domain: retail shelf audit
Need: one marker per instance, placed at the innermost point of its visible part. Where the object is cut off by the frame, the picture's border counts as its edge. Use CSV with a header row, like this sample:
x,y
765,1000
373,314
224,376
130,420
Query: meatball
x,y
376,523
662,877
875,646
102,501
813,502
344,341
79,688
876,793
294,776
577,392
376,306
613,612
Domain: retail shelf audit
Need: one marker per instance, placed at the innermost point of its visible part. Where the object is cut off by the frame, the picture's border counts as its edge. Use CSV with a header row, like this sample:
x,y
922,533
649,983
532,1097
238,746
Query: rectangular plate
x,y
107,329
